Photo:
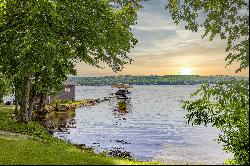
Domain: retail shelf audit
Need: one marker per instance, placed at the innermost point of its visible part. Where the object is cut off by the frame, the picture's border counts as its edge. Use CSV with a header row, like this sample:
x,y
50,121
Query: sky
x,y
165,48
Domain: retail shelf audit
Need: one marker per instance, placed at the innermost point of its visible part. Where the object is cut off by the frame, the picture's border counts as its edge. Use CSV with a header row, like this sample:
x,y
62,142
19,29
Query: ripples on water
x,y
153,129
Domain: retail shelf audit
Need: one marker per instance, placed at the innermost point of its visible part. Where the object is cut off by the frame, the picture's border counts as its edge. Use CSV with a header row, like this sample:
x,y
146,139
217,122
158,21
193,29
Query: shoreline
x,y
40,147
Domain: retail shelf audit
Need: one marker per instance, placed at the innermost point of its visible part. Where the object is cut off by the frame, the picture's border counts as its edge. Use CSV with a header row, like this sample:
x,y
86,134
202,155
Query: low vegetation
x,y
67,102
8,123
65,105
122,105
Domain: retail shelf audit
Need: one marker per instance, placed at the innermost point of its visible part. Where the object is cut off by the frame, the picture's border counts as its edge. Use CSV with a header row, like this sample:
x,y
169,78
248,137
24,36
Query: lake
x,y
153,128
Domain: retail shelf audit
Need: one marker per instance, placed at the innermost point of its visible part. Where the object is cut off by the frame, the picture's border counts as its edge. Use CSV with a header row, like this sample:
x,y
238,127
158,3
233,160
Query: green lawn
x,y
19,150
35,146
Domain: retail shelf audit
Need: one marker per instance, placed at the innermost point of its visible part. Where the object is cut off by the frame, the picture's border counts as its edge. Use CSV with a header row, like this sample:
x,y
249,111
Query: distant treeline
x,y
152,80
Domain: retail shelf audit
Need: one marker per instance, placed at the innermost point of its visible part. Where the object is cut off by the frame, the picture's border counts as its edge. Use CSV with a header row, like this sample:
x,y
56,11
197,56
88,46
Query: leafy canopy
x,y
48,31
52,36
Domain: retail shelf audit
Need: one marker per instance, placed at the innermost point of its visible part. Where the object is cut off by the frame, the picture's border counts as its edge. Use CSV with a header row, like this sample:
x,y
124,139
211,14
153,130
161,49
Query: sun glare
x,y
186,71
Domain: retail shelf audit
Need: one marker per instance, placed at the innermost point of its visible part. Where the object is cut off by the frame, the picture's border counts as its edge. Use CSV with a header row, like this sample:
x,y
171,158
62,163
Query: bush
x,y
33,128
225,106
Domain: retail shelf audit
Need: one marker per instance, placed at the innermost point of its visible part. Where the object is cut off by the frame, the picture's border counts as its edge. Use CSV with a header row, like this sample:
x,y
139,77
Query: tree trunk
x,y
33,93
16,102
42,103
31,104
17,98
24,107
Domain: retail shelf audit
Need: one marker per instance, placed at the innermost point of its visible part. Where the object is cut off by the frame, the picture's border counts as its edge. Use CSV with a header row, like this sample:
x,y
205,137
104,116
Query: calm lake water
x,y
153,128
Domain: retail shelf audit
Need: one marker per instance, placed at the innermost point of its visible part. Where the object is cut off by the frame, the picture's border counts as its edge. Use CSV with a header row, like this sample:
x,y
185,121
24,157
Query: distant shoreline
x,y
84,76
153,80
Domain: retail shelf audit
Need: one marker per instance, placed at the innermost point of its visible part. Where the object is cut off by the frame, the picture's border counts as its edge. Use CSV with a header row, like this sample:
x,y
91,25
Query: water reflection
x,y
120,109
59,121
151,127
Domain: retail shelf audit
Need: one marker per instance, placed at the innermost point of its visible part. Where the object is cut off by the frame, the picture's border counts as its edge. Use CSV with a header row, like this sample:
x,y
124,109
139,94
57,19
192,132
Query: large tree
x,y
41,41
225,105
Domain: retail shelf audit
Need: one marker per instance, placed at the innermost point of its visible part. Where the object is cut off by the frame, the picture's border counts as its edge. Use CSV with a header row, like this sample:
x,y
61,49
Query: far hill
x,y
152,80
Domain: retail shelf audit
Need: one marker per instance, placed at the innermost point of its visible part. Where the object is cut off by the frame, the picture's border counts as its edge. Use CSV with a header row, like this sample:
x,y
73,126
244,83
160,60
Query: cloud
x,y
164,47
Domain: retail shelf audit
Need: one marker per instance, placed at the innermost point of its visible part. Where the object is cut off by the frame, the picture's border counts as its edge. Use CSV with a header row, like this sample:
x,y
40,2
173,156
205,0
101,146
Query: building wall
x,y
67,93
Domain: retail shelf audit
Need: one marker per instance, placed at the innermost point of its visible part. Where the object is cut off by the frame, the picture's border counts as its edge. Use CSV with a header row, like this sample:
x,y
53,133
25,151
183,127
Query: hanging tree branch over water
x,y
226,104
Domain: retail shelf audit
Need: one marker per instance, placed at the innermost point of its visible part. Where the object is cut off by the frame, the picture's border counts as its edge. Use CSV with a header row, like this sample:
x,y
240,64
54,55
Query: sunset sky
x,y
167,49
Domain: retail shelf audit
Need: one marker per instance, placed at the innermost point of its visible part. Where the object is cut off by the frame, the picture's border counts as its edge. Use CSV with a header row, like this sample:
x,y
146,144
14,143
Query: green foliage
x,y
152,80
225,106
229,162
61,33
122,105
227,19
41,41
9,123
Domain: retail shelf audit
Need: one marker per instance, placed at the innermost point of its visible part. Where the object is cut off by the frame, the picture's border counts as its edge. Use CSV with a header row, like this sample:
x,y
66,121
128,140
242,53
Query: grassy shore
x,y
60,105
31,144
69,103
